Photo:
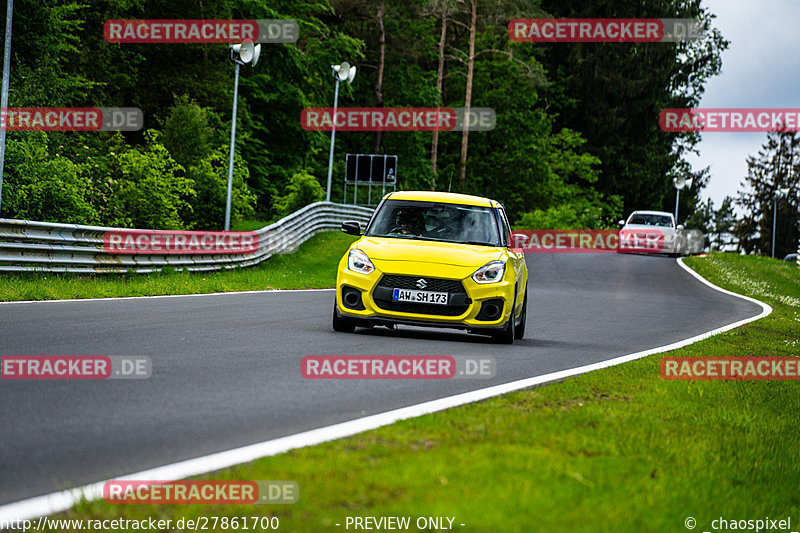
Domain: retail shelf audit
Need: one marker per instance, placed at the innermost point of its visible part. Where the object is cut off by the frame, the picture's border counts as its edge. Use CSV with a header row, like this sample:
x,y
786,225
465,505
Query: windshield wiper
x,y
434,239
481,243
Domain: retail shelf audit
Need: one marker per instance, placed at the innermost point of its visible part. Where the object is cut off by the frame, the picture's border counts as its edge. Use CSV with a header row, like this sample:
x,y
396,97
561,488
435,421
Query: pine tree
x,y
777,166
723,223
702,217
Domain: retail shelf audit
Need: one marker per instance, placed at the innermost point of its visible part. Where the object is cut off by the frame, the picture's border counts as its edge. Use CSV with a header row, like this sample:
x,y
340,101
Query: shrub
x,y
150,189
303,189
38,186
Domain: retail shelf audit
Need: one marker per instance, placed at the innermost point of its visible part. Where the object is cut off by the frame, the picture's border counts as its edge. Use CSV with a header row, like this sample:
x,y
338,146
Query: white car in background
x,y
653,232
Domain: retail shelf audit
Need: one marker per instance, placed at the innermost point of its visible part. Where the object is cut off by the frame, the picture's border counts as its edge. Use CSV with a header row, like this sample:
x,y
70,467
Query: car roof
x,y
652,213
444,197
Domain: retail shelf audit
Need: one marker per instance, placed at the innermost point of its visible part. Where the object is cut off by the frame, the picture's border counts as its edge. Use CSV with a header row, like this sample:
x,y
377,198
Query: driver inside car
x,y
409,222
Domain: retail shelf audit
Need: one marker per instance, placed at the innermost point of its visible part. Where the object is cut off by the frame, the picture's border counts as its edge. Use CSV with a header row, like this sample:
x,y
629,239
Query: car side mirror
x,y
351,227
621,222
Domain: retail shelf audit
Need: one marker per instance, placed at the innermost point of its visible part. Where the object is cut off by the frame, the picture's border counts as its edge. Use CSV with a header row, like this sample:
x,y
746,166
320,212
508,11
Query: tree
x,y
188,134
723,222
462,169
702,217
439,86
777,166
453,53
210,179
482,38
613,92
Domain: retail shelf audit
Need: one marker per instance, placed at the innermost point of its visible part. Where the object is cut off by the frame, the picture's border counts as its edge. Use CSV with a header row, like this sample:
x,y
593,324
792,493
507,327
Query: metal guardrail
x,y
27,246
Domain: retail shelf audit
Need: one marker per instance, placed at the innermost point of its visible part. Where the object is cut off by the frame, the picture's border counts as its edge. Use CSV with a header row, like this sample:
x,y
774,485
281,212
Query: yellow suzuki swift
x,y
434,259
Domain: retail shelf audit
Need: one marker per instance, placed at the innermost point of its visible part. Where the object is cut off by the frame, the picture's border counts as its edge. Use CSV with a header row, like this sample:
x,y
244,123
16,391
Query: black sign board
x,y
374,168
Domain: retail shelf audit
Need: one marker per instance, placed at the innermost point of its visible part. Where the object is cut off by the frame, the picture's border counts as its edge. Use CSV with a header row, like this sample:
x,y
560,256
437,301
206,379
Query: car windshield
x,y
436,221
651,220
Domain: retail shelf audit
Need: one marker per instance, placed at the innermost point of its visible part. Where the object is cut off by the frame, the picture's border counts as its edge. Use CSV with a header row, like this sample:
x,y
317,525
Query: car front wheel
x,y
507,334
342,324
519,332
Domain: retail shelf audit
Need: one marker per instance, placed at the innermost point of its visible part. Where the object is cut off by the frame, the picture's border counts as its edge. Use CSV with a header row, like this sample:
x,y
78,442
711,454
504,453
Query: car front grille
x,y
458,301
432,284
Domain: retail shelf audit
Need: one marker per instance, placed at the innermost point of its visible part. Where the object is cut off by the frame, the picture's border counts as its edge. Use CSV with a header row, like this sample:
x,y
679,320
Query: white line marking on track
x,y
62,500
114,298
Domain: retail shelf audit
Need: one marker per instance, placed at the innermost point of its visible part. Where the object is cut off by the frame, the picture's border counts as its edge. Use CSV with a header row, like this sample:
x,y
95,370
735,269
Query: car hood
x,y
443,253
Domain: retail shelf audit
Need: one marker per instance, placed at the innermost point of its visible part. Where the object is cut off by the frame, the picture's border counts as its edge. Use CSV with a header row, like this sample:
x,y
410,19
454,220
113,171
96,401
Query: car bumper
x,y
648,241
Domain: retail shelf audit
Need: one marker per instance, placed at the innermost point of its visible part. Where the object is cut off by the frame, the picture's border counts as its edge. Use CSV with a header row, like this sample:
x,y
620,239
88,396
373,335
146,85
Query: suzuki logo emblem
x,y
421,283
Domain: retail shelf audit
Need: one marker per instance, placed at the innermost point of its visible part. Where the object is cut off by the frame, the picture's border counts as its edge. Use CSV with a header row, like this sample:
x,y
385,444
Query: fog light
x,y
491,310
352,298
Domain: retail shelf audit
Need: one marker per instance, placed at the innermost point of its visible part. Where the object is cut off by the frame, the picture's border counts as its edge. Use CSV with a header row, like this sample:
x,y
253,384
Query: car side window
x,y
506,227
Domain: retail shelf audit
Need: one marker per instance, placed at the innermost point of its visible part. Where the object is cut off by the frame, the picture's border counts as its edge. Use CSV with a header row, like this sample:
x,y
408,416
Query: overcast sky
x,y
760,68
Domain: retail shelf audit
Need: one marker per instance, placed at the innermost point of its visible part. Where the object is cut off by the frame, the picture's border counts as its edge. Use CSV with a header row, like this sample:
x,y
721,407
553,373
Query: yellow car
x,y
434,259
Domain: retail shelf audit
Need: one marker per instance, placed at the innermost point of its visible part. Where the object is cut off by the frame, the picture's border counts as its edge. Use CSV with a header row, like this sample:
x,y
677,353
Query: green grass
x,y
312,267
617,450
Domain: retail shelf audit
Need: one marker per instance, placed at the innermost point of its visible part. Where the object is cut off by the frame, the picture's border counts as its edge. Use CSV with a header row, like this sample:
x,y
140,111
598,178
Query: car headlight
x,y
490,272
357,261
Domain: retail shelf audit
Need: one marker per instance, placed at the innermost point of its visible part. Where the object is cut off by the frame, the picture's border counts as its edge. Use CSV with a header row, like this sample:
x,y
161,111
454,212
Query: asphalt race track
x,y
226,368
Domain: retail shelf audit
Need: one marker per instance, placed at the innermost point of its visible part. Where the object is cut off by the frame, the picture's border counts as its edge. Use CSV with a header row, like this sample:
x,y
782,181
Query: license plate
x,y
422,297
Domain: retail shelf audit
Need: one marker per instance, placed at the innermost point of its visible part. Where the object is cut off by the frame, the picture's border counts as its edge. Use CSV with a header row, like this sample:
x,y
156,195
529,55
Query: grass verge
x,y
312,267
617,450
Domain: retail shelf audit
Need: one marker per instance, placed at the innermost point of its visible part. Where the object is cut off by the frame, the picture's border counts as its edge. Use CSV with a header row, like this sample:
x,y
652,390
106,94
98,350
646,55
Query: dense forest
x,y
577,142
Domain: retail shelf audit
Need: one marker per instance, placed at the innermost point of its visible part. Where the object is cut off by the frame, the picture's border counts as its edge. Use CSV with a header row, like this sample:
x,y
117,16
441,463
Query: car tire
x,y
342,324
507,334
519,331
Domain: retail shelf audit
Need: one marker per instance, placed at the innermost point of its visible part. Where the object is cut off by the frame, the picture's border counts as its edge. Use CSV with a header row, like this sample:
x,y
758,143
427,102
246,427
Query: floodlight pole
x,y
677,197
4,97
679,184
333,137
233,140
